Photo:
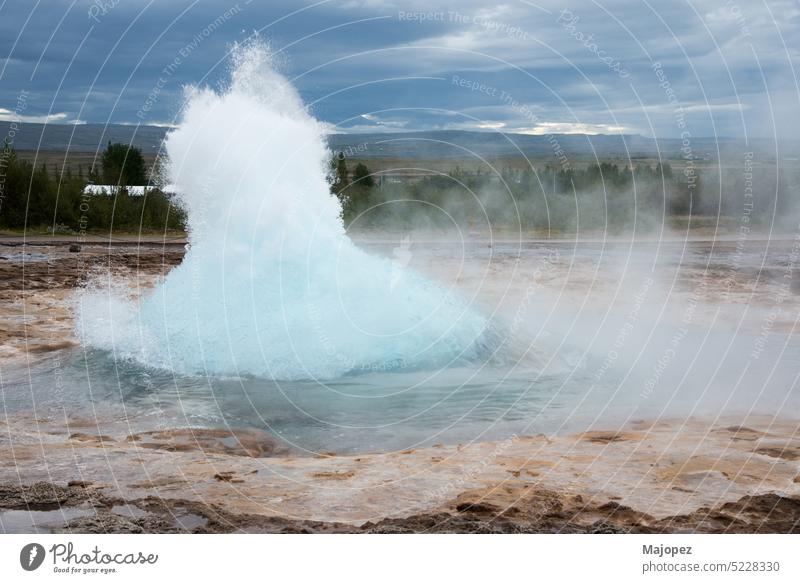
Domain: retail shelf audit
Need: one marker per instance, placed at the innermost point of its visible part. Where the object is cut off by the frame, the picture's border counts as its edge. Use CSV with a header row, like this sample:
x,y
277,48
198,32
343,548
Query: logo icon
x,y
31,556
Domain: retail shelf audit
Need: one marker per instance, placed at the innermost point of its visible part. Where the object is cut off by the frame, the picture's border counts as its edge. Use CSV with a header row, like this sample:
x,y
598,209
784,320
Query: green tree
x,y
31,198
363,177
123,165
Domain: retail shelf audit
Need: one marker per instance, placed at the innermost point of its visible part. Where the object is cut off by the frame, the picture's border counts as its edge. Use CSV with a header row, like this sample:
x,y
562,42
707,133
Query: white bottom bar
x,y
234,558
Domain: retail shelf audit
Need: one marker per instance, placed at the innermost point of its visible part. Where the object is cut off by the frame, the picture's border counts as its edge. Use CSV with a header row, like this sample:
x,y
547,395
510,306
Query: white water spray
x,y
271,286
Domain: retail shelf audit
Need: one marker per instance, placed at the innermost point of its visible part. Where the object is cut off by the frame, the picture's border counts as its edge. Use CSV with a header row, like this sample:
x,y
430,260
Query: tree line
x,y
600,195
37,197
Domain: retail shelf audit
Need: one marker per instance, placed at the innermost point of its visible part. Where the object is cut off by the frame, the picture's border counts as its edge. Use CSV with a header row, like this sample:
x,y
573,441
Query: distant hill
x,y
444,144
466,144
83,138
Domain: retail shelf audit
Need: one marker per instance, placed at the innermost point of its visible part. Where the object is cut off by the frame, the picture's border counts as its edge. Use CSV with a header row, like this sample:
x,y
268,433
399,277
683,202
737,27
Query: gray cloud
x,y
730,65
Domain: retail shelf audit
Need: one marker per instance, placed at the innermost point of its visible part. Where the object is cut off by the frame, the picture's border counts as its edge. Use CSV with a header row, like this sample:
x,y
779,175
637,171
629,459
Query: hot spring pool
x,y
591,339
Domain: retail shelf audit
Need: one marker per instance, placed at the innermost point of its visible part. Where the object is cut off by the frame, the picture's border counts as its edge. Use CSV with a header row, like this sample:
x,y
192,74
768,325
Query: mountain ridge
x,y
433,144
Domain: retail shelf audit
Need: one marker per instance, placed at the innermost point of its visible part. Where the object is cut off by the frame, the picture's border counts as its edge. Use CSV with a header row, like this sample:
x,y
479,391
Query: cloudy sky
x,y
723,67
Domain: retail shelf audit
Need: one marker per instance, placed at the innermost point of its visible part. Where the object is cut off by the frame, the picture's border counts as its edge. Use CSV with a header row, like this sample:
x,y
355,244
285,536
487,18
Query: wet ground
x,y
651,388
669,477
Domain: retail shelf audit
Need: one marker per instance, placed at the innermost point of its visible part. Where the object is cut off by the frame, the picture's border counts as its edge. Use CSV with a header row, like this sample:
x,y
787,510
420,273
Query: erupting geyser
x,y
271,285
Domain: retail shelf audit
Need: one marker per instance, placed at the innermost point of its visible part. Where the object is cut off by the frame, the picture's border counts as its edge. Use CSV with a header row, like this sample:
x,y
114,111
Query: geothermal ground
x,y
730,466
